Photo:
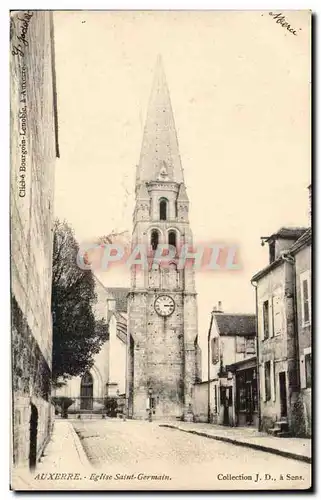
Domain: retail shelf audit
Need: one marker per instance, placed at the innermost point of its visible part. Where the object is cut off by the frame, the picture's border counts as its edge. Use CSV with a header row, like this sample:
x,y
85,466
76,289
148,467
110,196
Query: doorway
x,y
225,396
86,392
33,431
283,398
249,402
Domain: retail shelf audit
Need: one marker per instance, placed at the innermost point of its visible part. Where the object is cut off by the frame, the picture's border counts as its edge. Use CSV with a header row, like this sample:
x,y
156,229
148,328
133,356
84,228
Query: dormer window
x,y
163,209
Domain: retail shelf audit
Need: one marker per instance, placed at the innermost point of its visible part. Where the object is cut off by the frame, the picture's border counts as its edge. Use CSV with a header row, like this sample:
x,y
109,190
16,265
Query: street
x,y
120,451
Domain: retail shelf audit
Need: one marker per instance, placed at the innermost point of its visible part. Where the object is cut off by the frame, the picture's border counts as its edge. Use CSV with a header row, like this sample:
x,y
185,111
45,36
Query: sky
x,y
240,92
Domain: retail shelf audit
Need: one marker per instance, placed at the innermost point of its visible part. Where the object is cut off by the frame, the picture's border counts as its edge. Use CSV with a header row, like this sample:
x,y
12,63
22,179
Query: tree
x,y
63,403
77,334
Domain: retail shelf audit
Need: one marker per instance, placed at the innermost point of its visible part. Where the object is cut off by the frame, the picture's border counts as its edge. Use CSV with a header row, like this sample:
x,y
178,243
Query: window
x,y
308,370
240,344
154,240
266,326
163,209
267,379
250,345
172,238
305,298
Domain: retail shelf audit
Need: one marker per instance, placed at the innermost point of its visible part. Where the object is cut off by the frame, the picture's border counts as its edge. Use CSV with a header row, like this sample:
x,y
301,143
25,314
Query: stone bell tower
x,y
162,308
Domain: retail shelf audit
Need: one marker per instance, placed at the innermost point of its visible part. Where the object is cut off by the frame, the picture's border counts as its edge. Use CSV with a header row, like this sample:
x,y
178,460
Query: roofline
x,y
235,365
206,381
237,334
98,280
233,314
303,241
290,236
214,314
260,274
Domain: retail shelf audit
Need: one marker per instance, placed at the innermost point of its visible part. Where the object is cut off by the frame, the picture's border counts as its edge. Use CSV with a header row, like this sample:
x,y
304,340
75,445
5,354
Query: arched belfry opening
x,y
154,239
86,392
163,209
172,238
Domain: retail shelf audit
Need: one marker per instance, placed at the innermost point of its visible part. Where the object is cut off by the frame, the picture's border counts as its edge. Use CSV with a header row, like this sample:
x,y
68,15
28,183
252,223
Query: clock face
x,y
164,305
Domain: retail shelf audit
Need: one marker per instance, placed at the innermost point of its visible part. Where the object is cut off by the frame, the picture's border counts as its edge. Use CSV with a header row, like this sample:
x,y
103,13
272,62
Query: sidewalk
x,y
63,449
295,448
63,454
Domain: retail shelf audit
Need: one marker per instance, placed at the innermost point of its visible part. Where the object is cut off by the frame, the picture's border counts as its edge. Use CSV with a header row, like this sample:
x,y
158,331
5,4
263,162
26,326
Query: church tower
x,y
162,309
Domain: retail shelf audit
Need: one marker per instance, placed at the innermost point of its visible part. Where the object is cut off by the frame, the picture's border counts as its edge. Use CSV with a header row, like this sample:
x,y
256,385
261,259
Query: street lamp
x,y
117,396
150,392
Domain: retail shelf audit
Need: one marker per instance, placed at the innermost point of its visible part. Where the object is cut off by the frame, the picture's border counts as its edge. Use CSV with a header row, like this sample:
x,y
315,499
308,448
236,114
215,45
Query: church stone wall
x,y
33,152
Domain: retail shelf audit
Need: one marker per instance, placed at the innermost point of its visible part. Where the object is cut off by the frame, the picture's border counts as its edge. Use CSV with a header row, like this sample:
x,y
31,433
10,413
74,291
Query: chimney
x,y
219,307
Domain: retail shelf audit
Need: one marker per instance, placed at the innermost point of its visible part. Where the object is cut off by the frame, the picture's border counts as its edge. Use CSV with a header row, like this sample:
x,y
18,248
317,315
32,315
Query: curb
x,y
245,444
80,450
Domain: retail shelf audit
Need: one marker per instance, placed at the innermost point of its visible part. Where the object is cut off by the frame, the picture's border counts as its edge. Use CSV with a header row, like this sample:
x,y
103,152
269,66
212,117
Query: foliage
x,y
77,334
111,406
63,403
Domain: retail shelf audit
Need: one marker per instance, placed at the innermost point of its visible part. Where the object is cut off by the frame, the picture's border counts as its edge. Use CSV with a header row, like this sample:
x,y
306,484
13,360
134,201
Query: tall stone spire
x,y
160,159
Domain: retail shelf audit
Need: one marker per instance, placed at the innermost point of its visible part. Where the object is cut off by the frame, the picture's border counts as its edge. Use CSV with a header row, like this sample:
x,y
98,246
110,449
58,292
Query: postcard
x,y
160,203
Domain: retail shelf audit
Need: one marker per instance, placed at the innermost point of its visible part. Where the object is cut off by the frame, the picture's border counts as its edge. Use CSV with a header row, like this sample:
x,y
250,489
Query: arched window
x,y
172,238
154,239
86,392
163,209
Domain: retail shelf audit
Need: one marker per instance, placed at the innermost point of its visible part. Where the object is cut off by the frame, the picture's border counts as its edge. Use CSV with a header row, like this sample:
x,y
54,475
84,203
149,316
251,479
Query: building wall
x,y
200,401
117,359
227,355
154,367
204,392
33,152
303,269
280,347
227,351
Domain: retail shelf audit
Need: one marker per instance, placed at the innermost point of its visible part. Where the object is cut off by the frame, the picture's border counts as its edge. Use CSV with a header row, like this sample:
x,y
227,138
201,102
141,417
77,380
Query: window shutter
x,y
271,327
240,344
305,281
250,345
272,381
260,321
302,372
262,382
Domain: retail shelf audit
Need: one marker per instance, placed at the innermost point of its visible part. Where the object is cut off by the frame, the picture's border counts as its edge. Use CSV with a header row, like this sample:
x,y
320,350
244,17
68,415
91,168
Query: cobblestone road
x,y
119,449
